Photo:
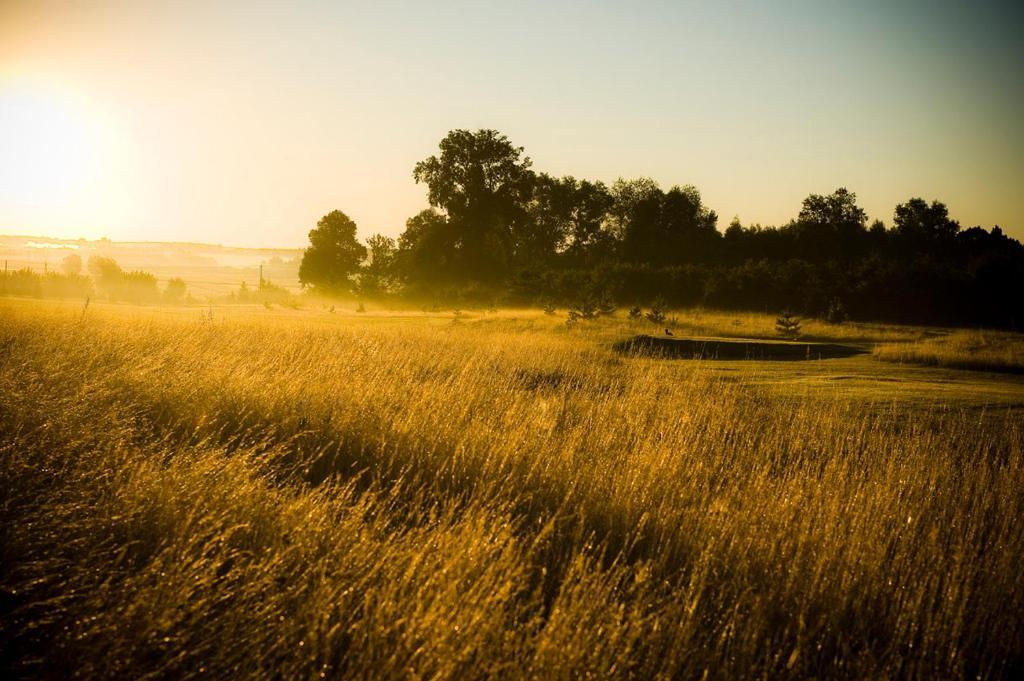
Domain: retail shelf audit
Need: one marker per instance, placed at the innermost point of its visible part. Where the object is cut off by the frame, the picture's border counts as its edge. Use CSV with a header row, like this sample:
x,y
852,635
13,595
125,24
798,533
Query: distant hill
x,y
208,269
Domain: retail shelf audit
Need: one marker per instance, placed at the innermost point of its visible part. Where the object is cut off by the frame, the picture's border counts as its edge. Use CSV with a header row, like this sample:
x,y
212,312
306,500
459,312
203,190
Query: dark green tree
x,y
482,183
333,256
662,228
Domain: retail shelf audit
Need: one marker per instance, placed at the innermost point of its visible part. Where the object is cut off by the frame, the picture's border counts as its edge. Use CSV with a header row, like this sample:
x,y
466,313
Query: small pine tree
x,y
788,326
656,315
605,305
584,309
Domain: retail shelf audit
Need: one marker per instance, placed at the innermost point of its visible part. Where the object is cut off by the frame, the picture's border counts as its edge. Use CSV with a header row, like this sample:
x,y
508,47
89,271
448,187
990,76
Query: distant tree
x,y
175,290
836,211
921,227
482,183
104,270
566,216
333,256
72,264
138,287
135,287
831,226
589,238
546,230
734,232
377,275
662,228
635,214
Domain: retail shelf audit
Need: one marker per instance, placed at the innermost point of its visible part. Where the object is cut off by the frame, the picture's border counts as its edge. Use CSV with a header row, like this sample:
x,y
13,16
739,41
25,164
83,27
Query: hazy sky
x,y
244,123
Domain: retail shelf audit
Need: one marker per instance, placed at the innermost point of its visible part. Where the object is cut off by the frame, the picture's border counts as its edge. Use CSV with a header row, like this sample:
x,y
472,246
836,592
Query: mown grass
x,y
498,497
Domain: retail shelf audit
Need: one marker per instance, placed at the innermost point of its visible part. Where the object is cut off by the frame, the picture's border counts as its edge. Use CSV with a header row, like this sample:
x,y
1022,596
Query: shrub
x,y
836,313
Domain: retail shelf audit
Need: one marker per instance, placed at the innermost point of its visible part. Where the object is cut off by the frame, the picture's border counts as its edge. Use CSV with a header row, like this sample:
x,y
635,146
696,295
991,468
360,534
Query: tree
x,y
135,287
831,226
787,326
546,231
920,226
175,290
72,264
333,256
589,238
377,275
566,216
482,183
428,250
104,270
662,228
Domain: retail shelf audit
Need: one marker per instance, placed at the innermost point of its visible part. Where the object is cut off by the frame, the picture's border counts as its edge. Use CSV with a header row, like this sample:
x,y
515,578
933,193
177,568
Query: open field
x,y
242,492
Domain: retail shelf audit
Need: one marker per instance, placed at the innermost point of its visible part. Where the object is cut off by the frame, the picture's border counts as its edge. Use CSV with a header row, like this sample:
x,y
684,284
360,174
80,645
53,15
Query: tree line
x,y
105,278
498,231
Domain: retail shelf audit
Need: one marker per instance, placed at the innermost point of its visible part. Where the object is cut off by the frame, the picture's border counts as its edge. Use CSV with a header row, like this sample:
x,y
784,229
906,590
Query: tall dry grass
x,y
976,350
266,497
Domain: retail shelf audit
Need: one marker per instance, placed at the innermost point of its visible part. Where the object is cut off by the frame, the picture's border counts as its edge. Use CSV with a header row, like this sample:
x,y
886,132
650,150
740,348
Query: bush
x,y
836,313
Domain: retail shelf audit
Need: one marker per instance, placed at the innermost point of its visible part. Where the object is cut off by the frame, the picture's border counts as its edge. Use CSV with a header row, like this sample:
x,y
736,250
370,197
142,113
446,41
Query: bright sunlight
x,y
56,148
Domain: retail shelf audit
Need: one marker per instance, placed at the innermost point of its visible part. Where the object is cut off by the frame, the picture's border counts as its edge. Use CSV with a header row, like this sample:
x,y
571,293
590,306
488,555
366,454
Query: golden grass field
x,y
301,494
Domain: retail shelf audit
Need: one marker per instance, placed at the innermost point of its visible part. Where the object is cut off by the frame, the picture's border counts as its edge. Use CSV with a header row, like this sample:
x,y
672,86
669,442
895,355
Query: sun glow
x,y
54,149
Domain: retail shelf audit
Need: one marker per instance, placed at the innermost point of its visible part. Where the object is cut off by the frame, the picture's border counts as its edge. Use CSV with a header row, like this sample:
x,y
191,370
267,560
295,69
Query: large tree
x,y
922,227
662,228
482,183
428,251
831,227
333,256
567,217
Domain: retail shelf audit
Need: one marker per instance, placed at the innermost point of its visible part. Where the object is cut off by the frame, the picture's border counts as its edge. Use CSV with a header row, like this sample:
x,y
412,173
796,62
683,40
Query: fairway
x,y
493,493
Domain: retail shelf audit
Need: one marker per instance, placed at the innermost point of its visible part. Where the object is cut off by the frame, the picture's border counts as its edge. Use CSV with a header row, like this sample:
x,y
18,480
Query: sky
x,y
243,123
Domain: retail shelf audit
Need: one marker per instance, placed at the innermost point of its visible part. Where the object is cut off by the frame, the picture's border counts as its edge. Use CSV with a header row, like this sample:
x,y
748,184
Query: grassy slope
x,y
380,495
